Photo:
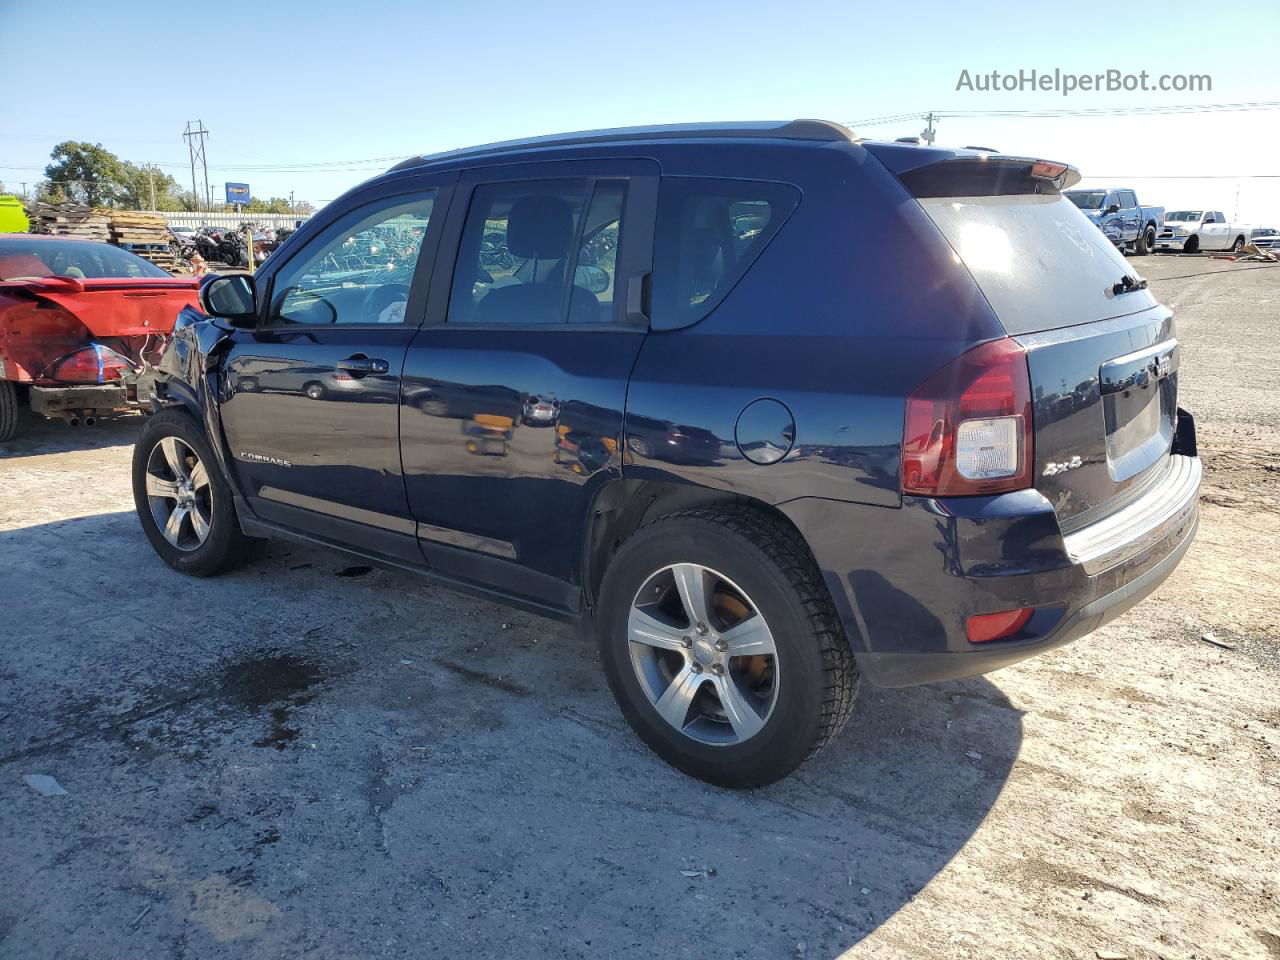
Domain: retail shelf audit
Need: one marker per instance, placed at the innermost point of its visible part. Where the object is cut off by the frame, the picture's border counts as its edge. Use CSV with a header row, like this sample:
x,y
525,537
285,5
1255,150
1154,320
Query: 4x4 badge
x,y
1052,469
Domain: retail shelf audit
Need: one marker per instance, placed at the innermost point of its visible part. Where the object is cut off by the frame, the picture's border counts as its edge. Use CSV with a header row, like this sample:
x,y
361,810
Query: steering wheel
x,y
386,303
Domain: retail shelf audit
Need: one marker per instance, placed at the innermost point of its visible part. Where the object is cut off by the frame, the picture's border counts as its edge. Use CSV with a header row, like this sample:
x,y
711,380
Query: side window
x,y
708,233
530,256
1127,199
357,271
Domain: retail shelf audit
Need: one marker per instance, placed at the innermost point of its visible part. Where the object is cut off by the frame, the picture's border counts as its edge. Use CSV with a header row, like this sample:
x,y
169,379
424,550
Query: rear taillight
x,y
92,364
968,427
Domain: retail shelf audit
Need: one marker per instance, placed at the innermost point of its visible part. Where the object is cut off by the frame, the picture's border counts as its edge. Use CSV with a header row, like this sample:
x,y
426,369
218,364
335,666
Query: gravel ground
x,y
306,757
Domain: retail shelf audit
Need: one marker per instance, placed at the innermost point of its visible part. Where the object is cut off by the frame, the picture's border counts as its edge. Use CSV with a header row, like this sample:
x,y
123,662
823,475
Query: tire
x,y
798,696
223,546
1145,242
8,410
314,390
1238,245
1192,245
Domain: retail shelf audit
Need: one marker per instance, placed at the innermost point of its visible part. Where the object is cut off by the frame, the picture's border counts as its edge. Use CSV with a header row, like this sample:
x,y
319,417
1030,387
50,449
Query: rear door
x,y
311,397
514,390
1130,214
1102,353
1213,236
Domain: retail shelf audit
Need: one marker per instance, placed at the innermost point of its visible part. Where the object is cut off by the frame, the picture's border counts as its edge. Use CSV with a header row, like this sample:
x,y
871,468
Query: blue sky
x,y
324,82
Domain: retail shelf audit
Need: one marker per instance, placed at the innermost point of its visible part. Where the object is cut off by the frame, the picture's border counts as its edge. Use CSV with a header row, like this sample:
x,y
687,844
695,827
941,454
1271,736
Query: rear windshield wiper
x,y
1128,284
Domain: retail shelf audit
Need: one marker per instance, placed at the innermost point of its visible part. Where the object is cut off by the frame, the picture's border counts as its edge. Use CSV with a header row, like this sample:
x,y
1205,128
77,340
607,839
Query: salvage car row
x,y
1141,229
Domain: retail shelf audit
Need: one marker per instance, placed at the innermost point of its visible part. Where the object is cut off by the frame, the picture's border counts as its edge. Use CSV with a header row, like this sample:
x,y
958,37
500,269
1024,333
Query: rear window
x,y
81,259
708,233
1039,261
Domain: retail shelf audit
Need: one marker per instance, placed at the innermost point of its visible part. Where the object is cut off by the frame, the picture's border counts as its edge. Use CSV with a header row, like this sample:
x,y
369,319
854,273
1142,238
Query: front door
x,y
311,398
515,388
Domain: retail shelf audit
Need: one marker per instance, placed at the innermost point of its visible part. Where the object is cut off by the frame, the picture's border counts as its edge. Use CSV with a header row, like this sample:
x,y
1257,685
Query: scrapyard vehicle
x,y
77,319
783,453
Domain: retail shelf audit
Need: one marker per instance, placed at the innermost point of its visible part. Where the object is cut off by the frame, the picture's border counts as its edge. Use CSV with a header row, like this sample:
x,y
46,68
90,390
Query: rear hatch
x,y
1101,352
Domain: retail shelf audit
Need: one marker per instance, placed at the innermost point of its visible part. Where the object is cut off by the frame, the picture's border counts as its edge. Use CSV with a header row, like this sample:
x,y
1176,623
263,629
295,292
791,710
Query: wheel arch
x,y
622,507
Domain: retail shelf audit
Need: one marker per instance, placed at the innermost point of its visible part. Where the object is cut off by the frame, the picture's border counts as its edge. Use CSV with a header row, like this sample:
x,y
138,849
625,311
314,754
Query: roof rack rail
x,y
775,130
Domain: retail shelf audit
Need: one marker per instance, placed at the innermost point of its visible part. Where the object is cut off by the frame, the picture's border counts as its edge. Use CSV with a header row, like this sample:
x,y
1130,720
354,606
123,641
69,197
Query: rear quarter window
x,y
709,232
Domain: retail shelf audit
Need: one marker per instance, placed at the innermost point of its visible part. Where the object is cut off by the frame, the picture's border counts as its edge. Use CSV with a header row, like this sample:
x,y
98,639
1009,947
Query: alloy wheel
x,y
179,493
703,654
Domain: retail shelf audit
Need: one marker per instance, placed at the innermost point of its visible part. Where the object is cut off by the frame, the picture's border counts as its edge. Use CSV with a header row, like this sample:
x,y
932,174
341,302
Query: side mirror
x,y
1113,208
231,296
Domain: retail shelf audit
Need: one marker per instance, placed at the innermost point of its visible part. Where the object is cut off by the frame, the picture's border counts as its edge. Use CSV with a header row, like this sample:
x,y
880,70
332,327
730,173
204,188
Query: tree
x,y
138,184
86,172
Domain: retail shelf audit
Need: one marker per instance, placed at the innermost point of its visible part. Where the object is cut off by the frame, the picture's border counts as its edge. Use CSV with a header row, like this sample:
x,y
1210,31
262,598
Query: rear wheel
x,y
8,410
182,500
722,647
1145,242
1238,245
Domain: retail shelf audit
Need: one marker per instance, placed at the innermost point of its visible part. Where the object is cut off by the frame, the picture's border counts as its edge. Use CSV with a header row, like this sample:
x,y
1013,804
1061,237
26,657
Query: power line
x,y
1159,109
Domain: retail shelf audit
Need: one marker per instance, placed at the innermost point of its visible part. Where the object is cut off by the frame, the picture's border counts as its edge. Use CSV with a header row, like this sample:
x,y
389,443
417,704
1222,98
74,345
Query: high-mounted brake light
x,y
968,427
92,364
1047,170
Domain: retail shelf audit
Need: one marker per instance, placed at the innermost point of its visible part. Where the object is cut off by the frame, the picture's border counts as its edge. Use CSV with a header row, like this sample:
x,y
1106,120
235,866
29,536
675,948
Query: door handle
x,y
362,364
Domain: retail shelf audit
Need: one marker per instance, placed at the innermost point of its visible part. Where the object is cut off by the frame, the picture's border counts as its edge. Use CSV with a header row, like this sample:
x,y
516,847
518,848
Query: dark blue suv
x,y
770,406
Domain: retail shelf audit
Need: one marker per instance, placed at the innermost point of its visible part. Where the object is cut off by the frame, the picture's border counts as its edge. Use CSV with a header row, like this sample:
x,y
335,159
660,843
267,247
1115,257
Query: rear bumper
x,y
905,581
93,398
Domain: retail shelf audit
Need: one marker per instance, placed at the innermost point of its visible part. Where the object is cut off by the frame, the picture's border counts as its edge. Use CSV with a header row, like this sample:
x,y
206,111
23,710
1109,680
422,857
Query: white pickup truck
x,y
1194,230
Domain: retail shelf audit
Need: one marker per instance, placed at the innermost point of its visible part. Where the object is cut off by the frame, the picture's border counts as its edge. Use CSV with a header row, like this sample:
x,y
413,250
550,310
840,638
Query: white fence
x,y
231,219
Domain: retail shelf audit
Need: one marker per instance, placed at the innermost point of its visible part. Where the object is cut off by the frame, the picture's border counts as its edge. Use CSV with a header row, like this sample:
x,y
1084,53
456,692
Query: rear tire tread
x,y
8,410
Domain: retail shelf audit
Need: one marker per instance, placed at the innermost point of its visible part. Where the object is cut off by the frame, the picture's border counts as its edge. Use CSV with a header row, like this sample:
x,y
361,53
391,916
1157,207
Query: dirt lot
x,y
308,758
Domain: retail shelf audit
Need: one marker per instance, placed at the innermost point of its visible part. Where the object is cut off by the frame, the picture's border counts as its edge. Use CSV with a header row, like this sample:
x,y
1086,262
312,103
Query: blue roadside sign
x,y
238,193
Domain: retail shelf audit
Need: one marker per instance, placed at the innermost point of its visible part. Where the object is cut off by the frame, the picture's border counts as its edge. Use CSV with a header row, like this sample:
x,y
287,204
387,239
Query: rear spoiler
x,y
59,284
929,172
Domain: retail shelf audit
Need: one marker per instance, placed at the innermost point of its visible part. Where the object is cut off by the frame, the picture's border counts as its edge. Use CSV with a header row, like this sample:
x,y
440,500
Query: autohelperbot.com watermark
x,y
1067,83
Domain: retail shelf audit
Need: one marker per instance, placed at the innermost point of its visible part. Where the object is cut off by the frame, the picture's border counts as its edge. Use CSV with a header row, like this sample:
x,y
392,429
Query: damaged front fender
x,y
190,362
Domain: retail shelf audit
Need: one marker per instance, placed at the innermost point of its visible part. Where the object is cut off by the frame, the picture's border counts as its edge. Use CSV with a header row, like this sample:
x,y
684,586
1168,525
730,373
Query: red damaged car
x,y
77,319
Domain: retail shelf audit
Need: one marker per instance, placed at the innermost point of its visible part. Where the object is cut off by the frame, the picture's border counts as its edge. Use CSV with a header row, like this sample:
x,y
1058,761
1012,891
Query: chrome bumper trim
x,y
1139,525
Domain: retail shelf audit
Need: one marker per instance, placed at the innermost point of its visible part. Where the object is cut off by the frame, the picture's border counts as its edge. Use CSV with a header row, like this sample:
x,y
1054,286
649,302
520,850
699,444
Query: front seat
x,y
539,228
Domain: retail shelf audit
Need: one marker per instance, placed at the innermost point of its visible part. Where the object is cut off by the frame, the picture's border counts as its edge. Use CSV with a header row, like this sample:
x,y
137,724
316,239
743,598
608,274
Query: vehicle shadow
x,y
446,771
37,435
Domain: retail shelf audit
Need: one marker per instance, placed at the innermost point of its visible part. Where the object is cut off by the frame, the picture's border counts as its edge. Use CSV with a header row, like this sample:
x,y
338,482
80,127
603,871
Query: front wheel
x,y
1192,245
722,647
182,500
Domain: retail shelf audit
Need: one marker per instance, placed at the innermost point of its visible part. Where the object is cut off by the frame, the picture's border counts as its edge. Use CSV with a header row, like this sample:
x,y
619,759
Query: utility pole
x,y
291,213
928,134
195,148
151,179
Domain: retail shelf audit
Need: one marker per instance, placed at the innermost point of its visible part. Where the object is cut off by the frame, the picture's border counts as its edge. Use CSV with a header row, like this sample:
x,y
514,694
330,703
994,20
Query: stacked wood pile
x,y
145,234
68,220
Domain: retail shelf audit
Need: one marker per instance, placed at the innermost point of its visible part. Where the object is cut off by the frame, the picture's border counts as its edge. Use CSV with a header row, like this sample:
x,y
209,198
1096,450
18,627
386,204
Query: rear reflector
x,y
968,427
986,627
